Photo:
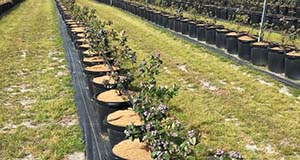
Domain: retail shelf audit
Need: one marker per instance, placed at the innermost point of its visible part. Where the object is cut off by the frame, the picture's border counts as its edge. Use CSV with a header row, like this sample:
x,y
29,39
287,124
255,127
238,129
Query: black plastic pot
x,y
224,13
259,54
221,37
178,25
210,34
292,67
298,12
171,22
105,108
231,13
158,18
276,20
244,47
185,26
192,29
165,20
232,43
276,60
284,10
291,22
218,12
115,133
201,31
255,17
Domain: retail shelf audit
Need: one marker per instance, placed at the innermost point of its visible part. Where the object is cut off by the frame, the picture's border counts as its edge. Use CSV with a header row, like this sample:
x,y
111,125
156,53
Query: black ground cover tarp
x,y
97,148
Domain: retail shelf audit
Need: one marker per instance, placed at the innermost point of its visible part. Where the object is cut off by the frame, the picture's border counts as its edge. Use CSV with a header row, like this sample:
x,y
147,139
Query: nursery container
x,y
171,22
255,17
244,47
116,123
224,13
232,42
292,65
231,13
201,31
137,150
185,26
275,20
259,53
276,59
178,25
221,37
98,85
165,22
284,10
291,22
298,12
192,29
218,12
210,34
108,102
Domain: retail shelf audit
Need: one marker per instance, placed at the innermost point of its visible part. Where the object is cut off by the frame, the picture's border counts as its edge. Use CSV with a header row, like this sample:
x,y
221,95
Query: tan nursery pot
x,y
131,150
108,102
116,123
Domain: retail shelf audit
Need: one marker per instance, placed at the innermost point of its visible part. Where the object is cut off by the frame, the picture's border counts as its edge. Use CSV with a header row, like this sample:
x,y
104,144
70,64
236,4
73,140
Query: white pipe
x,y
262,21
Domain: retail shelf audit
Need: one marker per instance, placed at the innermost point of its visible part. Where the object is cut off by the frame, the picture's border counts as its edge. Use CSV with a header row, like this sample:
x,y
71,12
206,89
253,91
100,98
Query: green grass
x,y
229,104
36,96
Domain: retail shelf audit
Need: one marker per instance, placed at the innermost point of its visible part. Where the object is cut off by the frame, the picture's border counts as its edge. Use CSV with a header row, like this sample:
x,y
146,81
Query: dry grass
x,y
37,113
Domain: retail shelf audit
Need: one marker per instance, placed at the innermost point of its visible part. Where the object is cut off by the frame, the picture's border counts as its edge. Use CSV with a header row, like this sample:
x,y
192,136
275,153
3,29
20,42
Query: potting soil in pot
x,y
112,96
89,53
123,118
132,150
100,80
95,59
100,68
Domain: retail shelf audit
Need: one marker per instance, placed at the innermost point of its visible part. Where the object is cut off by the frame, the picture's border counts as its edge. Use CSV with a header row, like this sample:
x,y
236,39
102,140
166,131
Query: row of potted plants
x,y
283,7
107,61
279,58
136,121
226,10
7,4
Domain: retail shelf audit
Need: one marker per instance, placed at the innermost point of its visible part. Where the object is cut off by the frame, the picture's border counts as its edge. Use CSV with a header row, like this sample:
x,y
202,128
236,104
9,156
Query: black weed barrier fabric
x,y
97,148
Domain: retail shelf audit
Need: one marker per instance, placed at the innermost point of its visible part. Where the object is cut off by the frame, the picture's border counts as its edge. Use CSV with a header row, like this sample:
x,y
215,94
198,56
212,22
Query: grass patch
x,y
233,107
36,94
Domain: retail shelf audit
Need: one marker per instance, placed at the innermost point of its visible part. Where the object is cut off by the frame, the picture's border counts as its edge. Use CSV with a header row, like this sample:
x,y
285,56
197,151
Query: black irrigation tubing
x,y
96,147
279,77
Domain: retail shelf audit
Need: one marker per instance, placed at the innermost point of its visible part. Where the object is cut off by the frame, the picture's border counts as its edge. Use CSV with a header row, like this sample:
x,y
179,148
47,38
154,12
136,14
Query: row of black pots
x,y
7,5
222,38
103,108
254,16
